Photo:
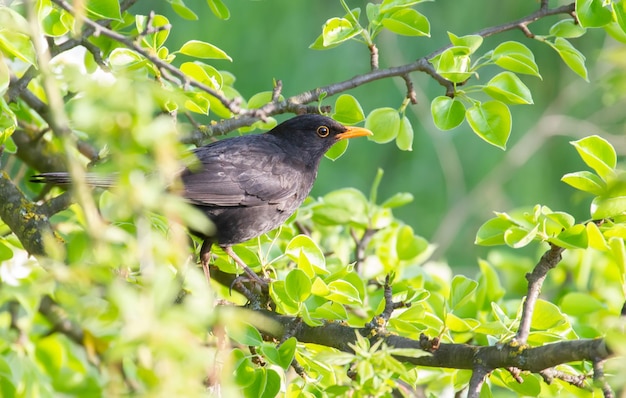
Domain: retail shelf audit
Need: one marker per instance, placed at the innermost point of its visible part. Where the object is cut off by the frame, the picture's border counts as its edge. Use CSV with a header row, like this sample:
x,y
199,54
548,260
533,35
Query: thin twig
x,y
549,260
479,374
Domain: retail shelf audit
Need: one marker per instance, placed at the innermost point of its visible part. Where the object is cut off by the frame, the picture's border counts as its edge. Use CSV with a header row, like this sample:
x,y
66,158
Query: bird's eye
x,y
323,131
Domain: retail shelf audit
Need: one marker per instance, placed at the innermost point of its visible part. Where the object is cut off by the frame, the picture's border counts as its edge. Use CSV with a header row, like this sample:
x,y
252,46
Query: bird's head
x,y
314,134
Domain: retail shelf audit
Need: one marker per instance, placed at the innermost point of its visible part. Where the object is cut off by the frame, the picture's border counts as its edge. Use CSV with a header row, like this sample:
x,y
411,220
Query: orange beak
x,y
352,132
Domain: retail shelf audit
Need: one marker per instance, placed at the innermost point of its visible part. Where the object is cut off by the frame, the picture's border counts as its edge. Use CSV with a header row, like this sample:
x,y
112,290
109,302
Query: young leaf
x,y
219,9
348,110
592,13
181,9
619,7
571,56
517,237
454,64
407,22
447,112
608,206
384,123
598,154
461,290
491,233
567,28
508,88
338,30
491,121
404,141
585,181
470,41
298,285
516,57
200,49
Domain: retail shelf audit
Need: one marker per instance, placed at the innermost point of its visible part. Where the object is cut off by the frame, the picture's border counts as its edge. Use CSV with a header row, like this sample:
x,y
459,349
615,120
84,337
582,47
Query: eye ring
x,y
323,131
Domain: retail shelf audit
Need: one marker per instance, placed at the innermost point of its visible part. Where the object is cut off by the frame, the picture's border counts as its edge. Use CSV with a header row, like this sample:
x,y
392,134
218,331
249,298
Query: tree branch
x,y
444,355
549,260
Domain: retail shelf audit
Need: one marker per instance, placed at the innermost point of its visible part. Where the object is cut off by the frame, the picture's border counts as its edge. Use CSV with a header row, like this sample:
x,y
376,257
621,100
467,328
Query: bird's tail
x,y
63,178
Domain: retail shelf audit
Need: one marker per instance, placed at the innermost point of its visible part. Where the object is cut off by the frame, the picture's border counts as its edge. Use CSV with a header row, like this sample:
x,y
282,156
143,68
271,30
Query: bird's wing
x,y
241,175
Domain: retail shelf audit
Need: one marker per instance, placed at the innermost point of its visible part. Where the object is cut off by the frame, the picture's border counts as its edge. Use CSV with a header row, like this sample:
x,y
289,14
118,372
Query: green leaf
x,y
219,9
595,238
546,316
200,49
389,5
490,290
19,45
244,333
384,123
508,88
473,42
284,303
491,121
298,285
304,245
607,206
408,245
181,9
618,251
108,9
461,290
491,233
337,150
567,28
574,237
571,56
404,141
343,206
348,110
592,13
585,181
447,112
287,351
517,237
126,59
56,22
454,64
260,99
5,77
343,292
397,200
338,30
407,22
580,304
516,57
5,252
598,154
619,7
203,73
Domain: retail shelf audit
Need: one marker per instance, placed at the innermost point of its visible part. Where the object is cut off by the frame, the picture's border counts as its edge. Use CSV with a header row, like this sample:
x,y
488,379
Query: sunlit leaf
x,y
491,121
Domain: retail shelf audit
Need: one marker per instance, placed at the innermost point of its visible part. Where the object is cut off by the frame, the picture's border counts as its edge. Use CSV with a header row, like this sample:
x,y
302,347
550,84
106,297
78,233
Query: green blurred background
x,y
456,178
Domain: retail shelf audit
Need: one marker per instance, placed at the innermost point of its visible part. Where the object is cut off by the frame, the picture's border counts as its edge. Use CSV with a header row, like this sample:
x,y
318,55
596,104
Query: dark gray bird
x,y
251,184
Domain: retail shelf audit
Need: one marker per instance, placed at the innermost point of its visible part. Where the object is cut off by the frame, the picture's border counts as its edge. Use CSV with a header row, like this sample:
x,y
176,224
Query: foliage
x,y
100,292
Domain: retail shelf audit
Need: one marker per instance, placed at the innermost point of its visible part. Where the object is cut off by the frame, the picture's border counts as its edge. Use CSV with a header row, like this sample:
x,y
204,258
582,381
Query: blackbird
x,y
249,185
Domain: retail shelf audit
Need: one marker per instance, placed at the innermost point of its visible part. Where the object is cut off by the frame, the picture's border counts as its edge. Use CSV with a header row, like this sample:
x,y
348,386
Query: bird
x,y
249,185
